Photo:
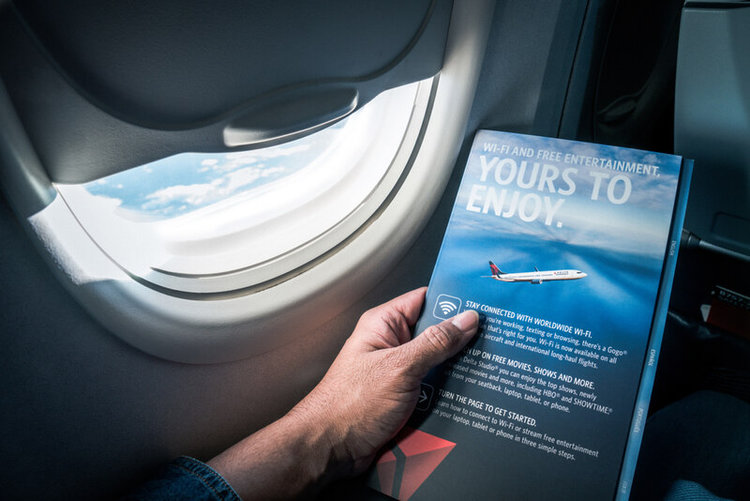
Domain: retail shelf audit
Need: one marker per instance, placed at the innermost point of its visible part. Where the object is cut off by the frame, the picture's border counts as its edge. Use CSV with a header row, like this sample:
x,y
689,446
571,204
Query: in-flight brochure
x,y
567,249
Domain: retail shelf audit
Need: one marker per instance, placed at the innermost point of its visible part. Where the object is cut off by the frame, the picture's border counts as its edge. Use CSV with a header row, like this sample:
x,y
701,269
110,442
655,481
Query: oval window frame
x,y
227,279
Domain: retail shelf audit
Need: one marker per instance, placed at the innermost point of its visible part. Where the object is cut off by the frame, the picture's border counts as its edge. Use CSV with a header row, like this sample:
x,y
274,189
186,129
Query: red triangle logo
x,y
404,468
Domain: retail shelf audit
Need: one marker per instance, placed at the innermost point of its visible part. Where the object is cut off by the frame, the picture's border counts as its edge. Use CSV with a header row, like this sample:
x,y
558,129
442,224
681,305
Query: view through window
x,y
204,215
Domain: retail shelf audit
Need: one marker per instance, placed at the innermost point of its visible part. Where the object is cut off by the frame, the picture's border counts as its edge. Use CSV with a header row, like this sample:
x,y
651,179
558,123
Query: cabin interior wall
x,y
85,415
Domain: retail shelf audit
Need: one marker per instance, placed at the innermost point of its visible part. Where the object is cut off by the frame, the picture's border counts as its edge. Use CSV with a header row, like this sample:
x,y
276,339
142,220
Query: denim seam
x,y
201,476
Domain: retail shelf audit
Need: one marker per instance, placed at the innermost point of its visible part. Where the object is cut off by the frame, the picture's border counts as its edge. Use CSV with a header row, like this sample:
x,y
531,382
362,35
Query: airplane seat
x,y
696,443
712,127
712,120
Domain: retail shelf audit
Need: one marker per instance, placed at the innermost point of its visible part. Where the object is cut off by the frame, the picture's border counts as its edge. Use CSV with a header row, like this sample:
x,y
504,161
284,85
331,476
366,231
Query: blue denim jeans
x,y
185,478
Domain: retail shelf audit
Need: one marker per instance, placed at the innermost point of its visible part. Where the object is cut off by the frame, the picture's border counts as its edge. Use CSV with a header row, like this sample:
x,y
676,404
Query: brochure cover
x,y
567,250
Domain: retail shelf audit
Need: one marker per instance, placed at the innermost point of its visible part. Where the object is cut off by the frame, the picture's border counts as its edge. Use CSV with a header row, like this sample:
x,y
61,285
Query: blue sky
x,y
639,225
182,183
620,247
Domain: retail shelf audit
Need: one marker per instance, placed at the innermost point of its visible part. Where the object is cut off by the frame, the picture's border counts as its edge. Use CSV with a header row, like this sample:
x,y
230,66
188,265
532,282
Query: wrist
x,y
321,420
289,458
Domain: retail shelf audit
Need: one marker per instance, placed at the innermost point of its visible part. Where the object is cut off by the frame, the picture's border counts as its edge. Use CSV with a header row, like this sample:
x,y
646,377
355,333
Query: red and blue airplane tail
x,y
495,270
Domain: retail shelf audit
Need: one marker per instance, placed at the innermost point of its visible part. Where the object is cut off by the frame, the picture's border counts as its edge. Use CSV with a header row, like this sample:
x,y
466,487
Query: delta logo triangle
x,y
401,470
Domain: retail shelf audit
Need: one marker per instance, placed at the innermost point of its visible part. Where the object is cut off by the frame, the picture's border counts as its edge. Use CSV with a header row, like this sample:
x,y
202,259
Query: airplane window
x,y
208,257
216,222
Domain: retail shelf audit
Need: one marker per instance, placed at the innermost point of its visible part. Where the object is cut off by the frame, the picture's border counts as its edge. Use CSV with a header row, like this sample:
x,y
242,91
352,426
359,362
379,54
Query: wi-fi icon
x,y
446,306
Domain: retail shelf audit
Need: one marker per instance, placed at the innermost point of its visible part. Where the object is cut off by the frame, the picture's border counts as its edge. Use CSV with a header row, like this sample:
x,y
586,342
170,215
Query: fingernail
x,y
466,321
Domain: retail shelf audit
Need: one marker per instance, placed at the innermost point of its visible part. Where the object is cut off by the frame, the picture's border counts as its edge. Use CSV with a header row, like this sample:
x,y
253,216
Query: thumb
x,y
439,342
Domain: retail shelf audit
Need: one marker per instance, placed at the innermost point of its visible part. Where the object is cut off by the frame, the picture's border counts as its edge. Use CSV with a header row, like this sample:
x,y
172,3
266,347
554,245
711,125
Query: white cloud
x,y
239,178
208,178
182,197
650,158
194,194
255,158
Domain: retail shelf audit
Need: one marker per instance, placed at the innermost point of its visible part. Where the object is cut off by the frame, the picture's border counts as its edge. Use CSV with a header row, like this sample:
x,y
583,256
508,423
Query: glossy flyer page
x,y
560,245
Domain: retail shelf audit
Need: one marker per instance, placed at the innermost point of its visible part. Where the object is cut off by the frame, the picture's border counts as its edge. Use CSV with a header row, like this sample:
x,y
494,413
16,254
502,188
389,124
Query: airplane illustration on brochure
x,y
534,277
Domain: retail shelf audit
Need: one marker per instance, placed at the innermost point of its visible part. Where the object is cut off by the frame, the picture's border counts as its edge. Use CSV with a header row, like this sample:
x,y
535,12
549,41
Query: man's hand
x,y
372,387
363,400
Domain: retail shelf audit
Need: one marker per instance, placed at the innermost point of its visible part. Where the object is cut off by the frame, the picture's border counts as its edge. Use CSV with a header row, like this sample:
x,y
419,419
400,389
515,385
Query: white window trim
x,y
244,267
224,328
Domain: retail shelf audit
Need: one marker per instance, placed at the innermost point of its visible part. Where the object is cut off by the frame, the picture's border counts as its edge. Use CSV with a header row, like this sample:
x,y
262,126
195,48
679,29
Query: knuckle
x,y
378,315
369,315
439,337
